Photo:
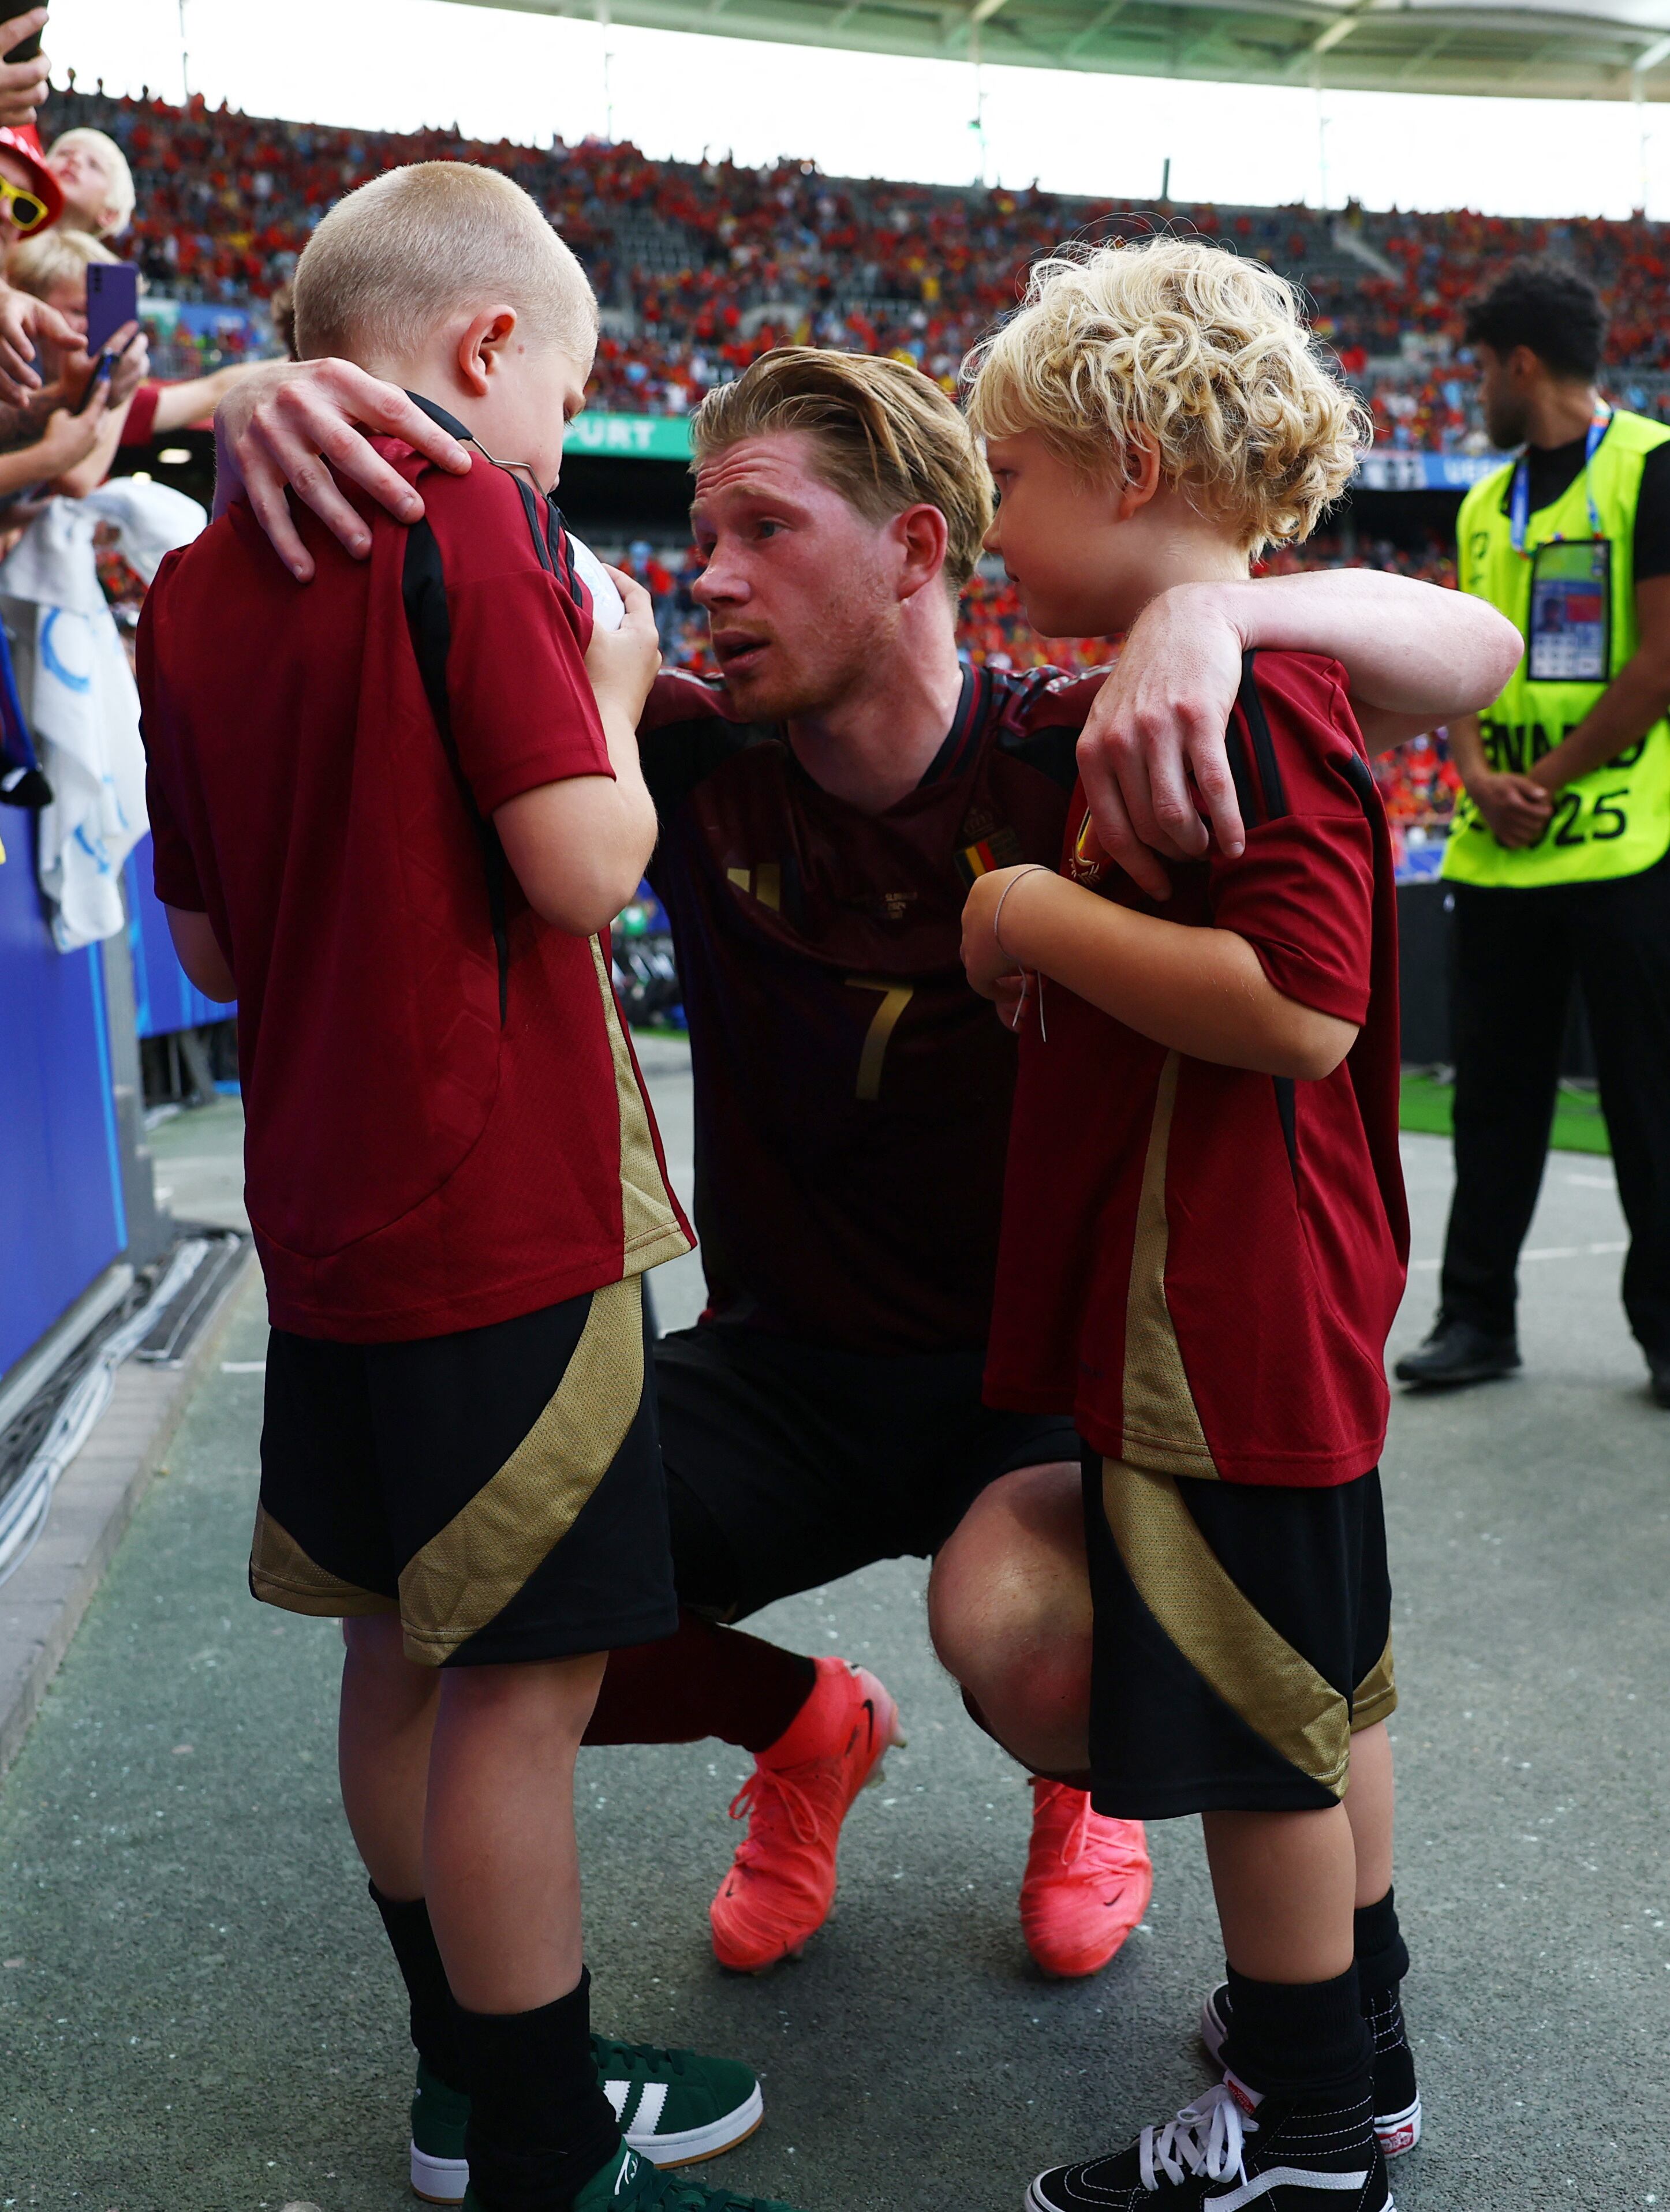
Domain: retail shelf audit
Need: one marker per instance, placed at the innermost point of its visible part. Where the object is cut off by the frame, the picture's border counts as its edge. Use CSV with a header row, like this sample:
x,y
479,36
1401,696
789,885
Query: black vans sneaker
x,y
1397,2099
1227,2150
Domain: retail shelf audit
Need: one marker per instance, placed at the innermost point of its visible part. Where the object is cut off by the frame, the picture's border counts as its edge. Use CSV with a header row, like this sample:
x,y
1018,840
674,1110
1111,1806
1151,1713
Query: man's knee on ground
x,y
1009,1602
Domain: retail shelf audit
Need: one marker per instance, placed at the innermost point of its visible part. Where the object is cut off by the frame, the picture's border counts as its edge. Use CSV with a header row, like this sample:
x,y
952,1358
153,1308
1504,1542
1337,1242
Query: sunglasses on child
x,y
26,209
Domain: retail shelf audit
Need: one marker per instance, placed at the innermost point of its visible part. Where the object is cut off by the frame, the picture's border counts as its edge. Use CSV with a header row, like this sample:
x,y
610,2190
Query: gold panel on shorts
x,y
1162,1424
281,1573
1220,1633
1377,1694
467,1575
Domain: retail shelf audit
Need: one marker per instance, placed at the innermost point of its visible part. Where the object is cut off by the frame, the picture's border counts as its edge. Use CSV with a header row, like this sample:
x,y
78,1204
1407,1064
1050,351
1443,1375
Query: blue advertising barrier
x,y
1389,468
62,1216
163,998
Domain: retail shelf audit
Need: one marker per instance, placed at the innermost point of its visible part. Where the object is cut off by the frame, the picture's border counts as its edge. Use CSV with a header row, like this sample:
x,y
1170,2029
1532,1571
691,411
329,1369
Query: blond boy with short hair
x,y
394,817
1204,1232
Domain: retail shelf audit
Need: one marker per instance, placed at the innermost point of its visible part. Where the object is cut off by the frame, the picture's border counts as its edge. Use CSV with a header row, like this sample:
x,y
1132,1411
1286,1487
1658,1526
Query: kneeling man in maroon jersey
x,y
824,806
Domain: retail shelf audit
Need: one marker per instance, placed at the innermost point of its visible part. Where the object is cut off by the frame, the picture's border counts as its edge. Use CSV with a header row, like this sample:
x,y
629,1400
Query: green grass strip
x,y
1579,1125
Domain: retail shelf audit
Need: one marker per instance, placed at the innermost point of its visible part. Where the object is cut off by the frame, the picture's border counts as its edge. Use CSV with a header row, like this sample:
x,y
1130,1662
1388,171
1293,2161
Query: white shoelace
x,y
1206,2137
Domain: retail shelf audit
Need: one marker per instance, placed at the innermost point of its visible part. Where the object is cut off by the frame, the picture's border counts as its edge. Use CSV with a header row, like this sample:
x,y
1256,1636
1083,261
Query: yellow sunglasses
x,y
26,209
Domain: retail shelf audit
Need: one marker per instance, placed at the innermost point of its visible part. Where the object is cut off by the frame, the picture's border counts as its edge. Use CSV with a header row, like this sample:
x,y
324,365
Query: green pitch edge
x,y
1579,1126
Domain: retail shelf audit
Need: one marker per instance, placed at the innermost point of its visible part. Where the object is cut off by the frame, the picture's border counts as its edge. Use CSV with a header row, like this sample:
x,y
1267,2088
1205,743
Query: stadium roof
x,y
1549,49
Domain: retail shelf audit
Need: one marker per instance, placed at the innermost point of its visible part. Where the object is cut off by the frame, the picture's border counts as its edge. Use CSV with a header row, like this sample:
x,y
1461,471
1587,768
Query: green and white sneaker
x,y
674,2107
629,2184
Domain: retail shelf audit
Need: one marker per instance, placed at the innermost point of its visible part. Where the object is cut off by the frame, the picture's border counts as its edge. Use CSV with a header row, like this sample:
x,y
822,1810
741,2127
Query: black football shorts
x,y
791,1464
1242,1633
500,1488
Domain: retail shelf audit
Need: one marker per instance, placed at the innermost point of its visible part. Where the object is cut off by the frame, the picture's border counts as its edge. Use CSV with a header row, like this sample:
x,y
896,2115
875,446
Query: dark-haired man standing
x,y
1558,855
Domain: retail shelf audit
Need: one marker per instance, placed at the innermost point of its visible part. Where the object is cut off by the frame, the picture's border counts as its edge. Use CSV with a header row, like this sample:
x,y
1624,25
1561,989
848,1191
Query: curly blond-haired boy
x,y
1205,1233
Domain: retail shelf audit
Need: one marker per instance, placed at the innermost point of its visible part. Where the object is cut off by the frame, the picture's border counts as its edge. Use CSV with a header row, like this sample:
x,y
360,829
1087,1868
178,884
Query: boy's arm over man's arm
x,y
1415,655
1202,992
579,847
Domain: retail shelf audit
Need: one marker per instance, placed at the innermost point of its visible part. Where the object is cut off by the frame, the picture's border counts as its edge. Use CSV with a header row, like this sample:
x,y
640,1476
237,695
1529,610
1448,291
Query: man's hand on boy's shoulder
x,y
290,425
1152,753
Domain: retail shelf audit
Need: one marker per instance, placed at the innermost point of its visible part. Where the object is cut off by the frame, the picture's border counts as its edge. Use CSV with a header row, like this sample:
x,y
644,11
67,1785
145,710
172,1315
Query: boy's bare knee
x,y
376,1639
552,1698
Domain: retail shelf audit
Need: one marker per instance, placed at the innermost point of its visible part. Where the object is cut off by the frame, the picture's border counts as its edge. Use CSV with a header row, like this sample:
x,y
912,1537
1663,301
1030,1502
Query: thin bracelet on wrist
x,y
1033,868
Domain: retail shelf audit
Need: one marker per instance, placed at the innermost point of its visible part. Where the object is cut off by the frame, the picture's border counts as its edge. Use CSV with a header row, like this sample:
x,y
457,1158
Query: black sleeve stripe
x,y
531,510
562,551
1263,748
1361,777
423,589
1234,745
1288,1114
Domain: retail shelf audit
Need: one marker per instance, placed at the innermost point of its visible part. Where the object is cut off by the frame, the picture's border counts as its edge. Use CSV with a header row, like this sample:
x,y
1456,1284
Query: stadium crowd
x,y
704,266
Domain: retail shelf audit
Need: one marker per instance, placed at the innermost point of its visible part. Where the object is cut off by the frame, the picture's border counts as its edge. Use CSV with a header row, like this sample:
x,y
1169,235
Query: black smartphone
x,y
103,369
26,49
112,299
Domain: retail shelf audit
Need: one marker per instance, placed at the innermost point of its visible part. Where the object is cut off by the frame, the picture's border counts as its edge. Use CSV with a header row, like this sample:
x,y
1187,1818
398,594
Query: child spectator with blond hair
x,y
97,183
1204,1232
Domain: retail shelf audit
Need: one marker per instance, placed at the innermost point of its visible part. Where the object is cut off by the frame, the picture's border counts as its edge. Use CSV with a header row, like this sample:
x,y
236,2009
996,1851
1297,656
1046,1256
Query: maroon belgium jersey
x,y
852,1094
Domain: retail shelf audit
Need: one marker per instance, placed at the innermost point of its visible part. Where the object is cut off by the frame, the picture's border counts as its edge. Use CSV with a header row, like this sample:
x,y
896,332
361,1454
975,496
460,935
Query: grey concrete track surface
x,y
197,2012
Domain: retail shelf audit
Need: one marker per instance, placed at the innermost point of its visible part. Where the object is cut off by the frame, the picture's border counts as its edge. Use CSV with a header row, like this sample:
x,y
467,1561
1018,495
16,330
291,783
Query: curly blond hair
x,y
1185,346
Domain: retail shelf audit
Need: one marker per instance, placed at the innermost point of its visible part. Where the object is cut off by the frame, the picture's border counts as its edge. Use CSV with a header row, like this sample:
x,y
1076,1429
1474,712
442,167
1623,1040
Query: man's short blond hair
x,y
1185,346
401,254
53,257
884,438
118,211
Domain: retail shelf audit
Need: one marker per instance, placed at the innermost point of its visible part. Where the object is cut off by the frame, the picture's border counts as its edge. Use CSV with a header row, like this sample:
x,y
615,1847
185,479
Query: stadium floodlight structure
x,y
1547,48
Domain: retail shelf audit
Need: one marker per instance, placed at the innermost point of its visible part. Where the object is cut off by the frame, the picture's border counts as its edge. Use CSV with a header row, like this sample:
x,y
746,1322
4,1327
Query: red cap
x,y
25,147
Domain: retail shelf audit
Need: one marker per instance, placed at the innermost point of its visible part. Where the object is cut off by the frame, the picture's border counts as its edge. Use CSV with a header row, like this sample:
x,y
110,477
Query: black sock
x,y
413,1942
540,2126
1303,2039
703,1681
1382,1956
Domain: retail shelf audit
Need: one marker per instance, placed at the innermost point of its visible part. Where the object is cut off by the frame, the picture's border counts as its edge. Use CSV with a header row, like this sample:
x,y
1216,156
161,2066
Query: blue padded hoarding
x,y
61,1220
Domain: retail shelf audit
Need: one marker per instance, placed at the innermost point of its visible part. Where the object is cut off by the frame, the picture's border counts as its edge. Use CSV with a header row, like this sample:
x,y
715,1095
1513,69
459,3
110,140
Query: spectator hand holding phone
x,y
24,70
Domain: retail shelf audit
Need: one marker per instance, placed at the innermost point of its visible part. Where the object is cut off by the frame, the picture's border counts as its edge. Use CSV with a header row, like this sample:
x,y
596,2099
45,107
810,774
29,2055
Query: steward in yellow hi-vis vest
x,y
1568,588
1558,867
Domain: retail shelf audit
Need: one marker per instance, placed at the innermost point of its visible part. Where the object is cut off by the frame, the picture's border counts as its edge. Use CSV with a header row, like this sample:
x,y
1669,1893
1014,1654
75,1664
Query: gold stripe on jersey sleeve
x,y
1161,1424
650,1230
466,1575
1218,1629
281,1573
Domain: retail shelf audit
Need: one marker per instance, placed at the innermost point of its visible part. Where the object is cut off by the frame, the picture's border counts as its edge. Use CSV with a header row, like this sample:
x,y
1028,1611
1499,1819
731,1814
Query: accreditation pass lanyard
x,y
1519,500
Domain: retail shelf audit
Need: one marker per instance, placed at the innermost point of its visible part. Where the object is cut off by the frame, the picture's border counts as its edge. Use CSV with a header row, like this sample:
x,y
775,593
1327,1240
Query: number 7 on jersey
x,y
895,997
